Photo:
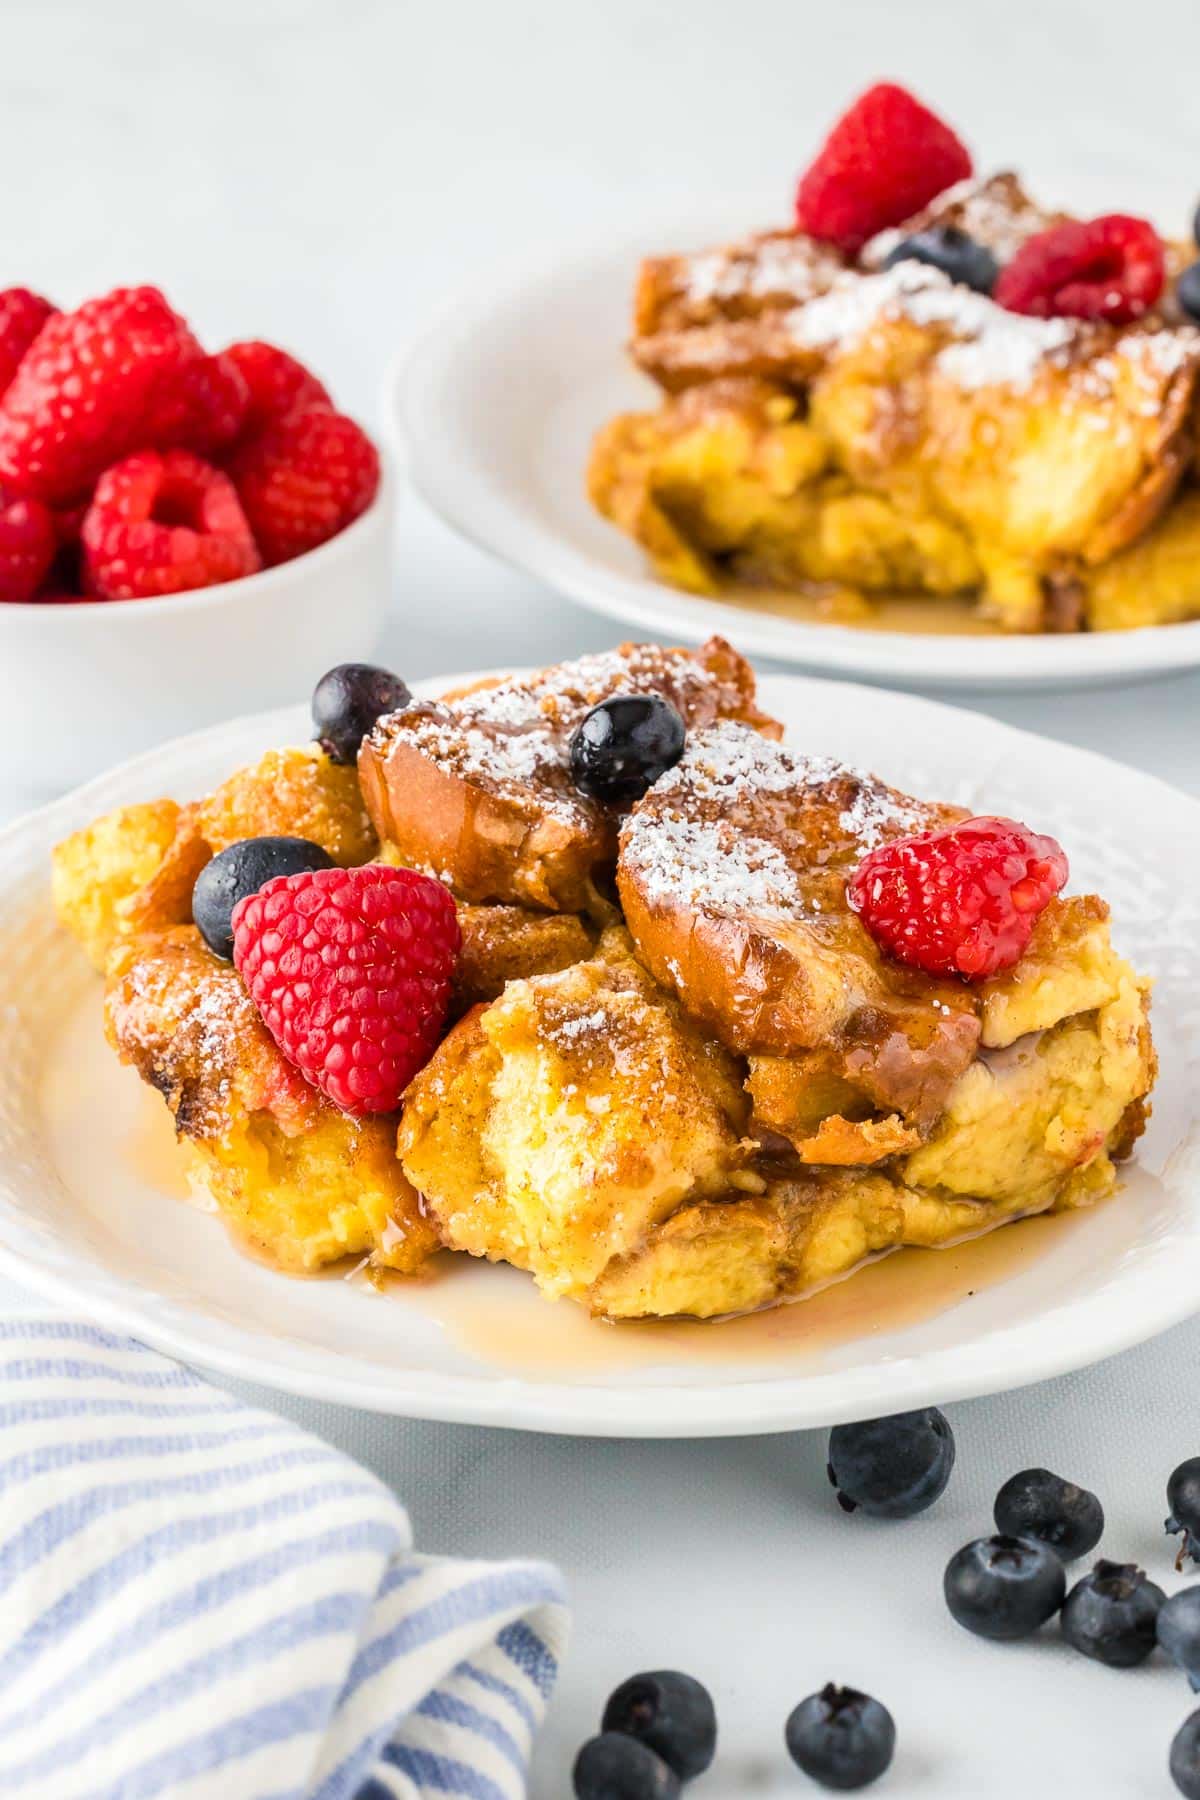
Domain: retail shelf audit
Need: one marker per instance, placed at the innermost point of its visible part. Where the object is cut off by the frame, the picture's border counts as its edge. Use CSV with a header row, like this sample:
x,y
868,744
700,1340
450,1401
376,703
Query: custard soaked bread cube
x,y
557,1126
134,869
295,1178
477,790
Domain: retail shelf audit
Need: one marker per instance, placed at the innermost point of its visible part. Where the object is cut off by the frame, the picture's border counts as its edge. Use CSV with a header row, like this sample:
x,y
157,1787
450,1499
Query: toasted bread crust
x,y
479,792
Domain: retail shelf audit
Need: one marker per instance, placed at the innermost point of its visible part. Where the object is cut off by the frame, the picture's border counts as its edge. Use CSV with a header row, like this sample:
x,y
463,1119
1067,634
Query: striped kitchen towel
x,y
200,1600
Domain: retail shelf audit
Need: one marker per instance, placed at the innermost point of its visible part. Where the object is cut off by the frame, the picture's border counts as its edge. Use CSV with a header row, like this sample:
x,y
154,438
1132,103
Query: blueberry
x,y
1110,1614
1004,1587
1183,1498
1037,1504
616,1767
892,1468
1179,1632
1187,290
841,1738
622,746
950,249
1196,225
671,1714
1185,1758
348,701
240,870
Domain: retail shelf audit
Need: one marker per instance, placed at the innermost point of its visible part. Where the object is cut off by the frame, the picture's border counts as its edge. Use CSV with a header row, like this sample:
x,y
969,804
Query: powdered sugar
x,y
726,760
995,347
678,861
792,266
994,211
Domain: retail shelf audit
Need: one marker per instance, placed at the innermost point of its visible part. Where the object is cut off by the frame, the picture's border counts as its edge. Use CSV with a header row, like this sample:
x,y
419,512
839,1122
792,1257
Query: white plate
x,y
498,407
84,1219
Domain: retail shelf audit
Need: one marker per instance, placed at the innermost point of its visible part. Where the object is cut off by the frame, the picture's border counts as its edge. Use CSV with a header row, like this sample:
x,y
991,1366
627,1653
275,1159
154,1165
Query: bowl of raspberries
x,y
182,531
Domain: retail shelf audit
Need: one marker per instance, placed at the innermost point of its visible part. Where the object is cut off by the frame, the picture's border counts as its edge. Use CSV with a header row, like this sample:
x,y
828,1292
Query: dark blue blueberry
x,y
841,1738
950,249
1110,1614
1004,1587
1196,225
892,1468
240,870
1183,1498
348,700
616,1767
1187,291
1185,1758
671,1714
1037,1504
622,746
1179,1632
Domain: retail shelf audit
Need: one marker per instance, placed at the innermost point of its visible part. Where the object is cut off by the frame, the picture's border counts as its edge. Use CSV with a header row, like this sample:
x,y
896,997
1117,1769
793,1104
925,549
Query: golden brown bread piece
x,y
478,790
580,1127
291,1174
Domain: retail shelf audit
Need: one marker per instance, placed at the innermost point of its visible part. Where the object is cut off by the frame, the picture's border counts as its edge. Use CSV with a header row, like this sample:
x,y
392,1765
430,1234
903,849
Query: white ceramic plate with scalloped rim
x,y
497,408
88,1218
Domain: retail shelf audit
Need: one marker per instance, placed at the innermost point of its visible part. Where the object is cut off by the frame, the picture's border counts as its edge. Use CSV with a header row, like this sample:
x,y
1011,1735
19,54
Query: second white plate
x,y
91,1215
497,408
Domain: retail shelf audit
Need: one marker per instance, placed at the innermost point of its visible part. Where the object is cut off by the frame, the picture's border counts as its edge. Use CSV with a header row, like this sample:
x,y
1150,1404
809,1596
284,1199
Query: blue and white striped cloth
x,y
201,1601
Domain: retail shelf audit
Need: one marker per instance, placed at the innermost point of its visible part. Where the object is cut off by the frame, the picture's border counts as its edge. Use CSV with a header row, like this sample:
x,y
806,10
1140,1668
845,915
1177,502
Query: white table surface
x,y
329,176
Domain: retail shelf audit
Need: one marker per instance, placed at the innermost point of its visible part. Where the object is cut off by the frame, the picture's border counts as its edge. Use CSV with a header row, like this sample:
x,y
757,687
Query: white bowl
x,y
91,684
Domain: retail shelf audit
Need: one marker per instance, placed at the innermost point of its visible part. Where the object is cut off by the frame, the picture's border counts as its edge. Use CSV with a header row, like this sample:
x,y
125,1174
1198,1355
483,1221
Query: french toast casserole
x,y
985,399
693,1050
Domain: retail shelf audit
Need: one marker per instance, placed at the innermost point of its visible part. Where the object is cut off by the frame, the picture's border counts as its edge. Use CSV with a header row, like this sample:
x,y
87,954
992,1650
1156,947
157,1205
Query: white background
x,y
329,176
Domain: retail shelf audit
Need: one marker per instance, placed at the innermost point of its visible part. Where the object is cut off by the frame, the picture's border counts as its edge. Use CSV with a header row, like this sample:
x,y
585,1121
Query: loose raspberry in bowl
x,y
1112,268
351,971
962,901
884,160
160,524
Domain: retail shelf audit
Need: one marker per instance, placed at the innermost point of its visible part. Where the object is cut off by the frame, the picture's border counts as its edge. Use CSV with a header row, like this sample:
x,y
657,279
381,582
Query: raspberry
x,y
351,971
86,390
884,160
204,409
28,542
961,901
304,479
22,315
1111,268
276,384
163,522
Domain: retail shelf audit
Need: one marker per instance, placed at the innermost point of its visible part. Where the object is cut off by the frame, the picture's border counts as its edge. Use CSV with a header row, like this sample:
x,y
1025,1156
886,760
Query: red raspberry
x,y
22,315
1111,268
28,542
351,971
304,479
884,160
161,523
86,389
277,383
961,901
204,409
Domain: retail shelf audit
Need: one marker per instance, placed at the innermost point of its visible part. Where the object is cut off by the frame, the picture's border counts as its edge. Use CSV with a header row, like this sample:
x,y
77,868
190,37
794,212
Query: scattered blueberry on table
x,y
1004,1587
672,1714
892,1468
1110,1614
1036,1503
1179,1632
841,1738
1185,1758
615,1767
1183,1498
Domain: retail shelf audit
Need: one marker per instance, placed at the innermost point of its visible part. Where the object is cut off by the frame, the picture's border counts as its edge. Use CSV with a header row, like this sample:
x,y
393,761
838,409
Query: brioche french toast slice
x,y
477,790
295,1178
887,429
